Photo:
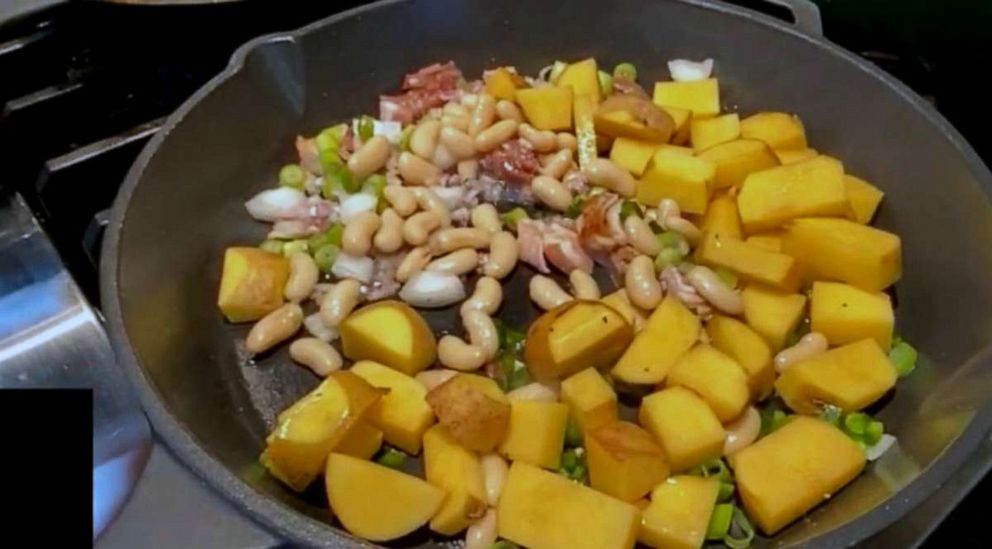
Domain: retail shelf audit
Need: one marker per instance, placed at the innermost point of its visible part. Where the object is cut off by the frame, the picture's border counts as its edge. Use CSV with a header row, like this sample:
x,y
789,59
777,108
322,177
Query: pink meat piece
x,y
511,162
429,87
531,243
563,250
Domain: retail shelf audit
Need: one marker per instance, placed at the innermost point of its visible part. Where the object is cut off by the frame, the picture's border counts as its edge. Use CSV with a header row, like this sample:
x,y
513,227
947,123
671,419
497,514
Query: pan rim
x,y
293,525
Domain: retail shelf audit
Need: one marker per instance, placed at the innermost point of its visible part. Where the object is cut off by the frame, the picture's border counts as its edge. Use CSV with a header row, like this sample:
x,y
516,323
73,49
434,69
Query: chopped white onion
x,y
451,196
356,204
274,204
432,289
874,452
540,392
316,327
392,131
349,266
683,70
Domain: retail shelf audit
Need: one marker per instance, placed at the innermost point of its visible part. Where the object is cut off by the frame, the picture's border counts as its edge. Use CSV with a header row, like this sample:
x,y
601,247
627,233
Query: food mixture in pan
x,y
738,311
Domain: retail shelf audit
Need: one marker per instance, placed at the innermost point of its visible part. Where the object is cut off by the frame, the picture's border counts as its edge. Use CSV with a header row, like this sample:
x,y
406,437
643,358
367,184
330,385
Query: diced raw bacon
x,y
596,232
511,162
430,87
562,248
309,157
531,243
438,75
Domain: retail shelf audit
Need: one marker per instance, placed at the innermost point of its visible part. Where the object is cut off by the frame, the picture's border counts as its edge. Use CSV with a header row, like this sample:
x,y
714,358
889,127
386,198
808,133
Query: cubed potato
x,y
252,283
632,155
749,349
474,410
633,314
794,469
791,157
778,129
456,470
721,218
362,441
391,333
624,123
403,413
536,432
582,76
681,118
574,336
541,509
772,313
669,332
735,160
547,108
750,262
624,460
584,111
311,428
863,197
707,132
375,502
685,425
702,97
501,83
849,377
767,241
840,249
716,377
684,179
590,399
845,314
770,198
679,513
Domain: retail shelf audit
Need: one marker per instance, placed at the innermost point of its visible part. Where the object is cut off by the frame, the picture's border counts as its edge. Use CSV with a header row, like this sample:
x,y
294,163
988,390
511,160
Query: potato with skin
x,y
574,336
633,314
362,441
684,424
748,348
311,428
375,502
457,471
624,460
670,332
403,413
536,432
473,409
252,283
590,399
714,376
679,513
391,333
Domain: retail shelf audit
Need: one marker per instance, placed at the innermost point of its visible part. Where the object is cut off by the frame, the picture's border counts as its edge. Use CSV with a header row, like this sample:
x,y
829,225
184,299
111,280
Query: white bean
x,y
401,199
546,293
670,218
454,353
487,296
315,354
715,290
413,262
389,237
508,110
809,346
457,262
338,303
303,276
443,158
583,285
430,201
370,157
458,142
641,283
418,227
482,534
415,170
481,331
455,121
468,169
494,471
640,235
470,100
274,328
456,238
432,378
485,217
558,164
604,173
567,141
542,141
423,139
539,392
503,254
742,431
551,193
356,239
494,136
483,114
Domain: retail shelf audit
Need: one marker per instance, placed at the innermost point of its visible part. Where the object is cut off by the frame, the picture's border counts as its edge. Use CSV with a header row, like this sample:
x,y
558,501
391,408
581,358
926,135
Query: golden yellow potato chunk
x,y
786,156
780,130
456,470
714,376
536,432
500,83
863,197
722,219
840,249
634,315
702,97
252,283
590,399
403,413
845,314
573,336
748,348
669,332
686,426
474,410
708,132
679,513
770,198
750,262
632,155
548,108
391,333
772,313
582,77
685,179
735,160
624,460
362,441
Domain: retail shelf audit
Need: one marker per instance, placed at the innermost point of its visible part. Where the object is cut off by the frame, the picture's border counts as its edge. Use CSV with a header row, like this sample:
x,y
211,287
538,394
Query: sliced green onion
x,y
728,276
903,357
366,127
337,176
391,458
575,208
512,217
569,460
332,235
771,419
670,239
504,544
720,520
625,70
325,256
330,162
629,208
856,423
874,432
518,378
573,435
329,139
291,175
713,469
293,246
605,83
741,533
556,70
272,246
510,338
727,490
578,474
831,414
667,257
374,184
405,137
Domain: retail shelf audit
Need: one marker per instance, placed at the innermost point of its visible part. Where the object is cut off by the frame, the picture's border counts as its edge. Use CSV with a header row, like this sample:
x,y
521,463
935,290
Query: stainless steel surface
x,y
805,13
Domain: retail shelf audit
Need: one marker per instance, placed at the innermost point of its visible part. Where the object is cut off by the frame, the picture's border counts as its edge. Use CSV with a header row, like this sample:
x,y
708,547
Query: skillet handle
x,y
805,13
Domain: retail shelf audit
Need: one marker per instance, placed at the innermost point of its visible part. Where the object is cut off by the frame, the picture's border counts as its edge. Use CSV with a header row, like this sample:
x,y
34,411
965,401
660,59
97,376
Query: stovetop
x,y
84,85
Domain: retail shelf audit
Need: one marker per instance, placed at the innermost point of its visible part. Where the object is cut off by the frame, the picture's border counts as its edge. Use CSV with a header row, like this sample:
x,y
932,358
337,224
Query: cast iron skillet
x,y
182,204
